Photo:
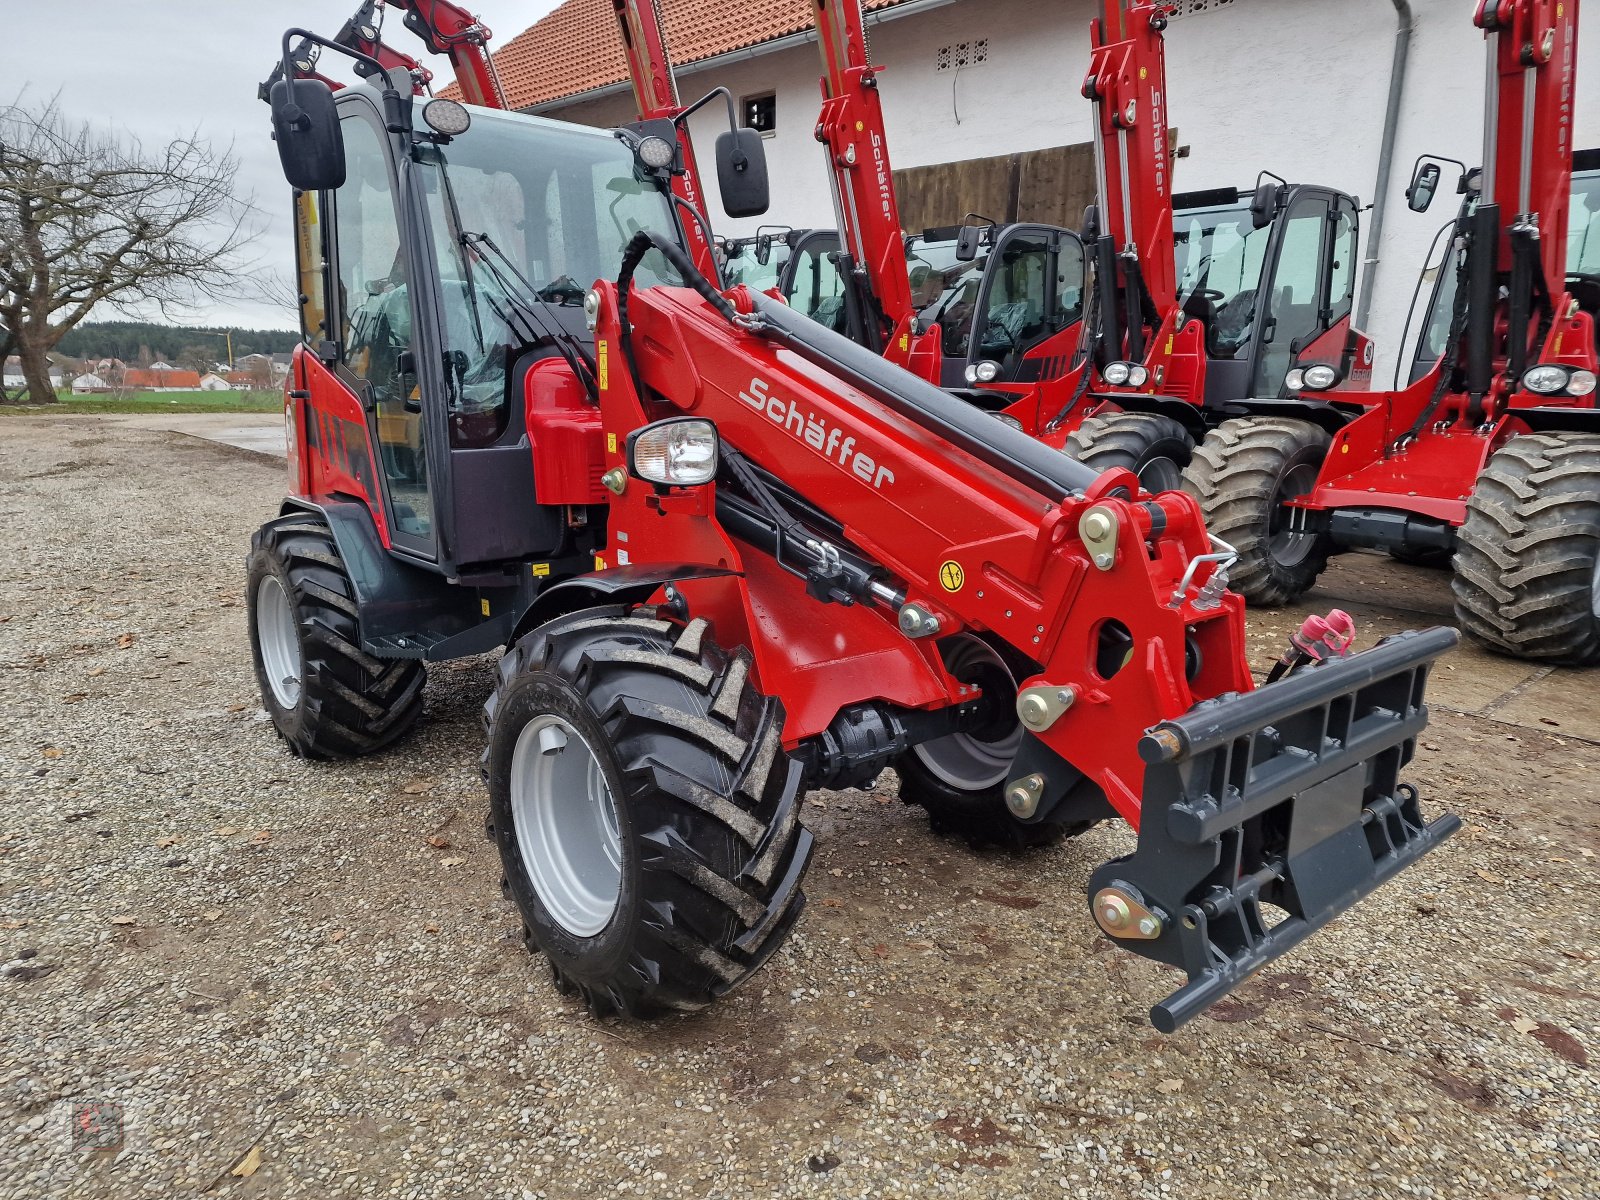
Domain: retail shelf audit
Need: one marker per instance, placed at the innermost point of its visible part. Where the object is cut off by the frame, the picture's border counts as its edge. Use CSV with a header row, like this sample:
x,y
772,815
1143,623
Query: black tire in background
x,y
1527,579
1242,474
345,702
1155,448
703,881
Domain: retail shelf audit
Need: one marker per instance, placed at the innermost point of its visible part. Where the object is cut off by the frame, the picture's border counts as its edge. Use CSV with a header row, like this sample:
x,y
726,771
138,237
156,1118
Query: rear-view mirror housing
x,y
969,239
1423,186
742,173
1264,205
306,128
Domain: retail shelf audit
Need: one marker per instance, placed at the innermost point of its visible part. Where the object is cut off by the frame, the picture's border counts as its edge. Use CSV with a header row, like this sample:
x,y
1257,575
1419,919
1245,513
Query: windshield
x,y
1583,231
944,290
534,211
1220,255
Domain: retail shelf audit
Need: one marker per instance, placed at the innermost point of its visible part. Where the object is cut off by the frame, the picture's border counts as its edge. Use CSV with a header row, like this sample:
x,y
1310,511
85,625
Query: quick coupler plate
x,y
1288,797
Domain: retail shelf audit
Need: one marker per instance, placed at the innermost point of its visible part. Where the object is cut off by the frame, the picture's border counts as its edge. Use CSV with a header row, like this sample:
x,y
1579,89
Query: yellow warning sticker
x,y
599,563
485,605
541,569
604,361
611,443
951,576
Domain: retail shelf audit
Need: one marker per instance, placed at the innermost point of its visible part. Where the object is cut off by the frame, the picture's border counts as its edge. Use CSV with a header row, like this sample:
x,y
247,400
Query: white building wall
x,y
1297,87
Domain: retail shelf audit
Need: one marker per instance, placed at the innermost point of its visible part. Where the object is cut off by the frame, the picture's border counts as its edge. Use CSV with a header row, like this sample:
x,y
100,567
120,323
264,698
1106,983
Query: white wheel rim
x,y
566,821
279,640
963,760
1594,590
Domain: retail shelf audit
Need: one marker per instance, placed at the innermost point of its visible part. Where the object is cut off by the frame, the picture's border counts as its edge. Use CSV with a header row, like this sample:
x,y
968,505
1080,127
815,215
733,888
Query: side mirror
x,y
310,142
1264,205
742,173
1423,185
969,239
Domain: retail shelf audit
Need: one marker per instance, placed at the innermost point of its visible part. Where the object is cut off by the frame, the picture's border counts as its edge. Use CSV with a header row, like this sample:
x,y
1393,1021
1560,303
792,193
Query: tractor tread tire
x,y
711,798
1130,440
1235,474
352,703
1527,553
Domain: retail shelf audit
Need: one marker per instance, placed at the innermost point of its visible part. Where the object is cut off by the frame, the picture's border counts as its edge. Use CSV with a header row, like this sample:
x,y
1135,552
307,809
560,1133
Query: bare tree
x,y
91,218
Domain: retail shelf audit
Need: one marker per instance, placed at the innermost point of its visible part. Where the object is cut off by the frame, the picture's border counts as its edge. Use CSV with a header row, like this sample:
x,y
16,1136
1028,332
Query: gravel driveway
x,y
300,980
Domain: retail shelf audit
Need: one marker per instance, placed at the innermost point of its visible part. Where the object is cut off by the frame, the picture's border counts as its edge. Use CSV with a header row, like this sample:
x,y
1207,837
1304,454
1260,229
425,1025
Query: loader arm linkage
x,y
1287,795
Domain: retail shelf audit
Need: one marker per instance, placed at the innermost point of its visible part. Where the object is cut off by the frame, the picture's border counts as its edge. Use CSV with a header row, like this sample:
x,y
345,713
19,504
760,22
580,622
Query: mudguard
x,y
1287,796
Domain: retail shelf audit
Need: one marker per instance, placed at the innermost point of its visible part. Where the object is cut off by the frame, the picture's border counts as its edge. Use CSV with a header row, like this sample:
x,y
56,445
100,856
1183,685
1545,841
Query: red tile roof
x,y
578,48
161,379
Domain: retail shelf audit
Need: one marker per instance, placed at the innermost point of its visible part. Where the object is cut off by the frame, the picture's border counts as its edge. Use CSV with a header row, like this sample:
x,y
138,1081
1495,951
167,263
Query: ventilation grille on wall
x,y
1193,8
963,54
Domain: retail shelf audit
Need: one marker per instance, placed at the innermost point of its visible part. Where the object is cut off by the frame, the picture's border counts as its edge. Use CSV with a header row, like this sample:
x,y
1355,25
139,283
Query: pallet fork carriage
x,y
733,556
1492,452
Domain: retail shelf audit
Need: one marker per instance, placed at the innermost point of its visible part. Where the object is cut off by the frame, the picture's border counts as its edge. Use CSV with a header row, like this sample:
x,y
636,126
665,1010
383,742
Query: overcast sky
x,y
158,68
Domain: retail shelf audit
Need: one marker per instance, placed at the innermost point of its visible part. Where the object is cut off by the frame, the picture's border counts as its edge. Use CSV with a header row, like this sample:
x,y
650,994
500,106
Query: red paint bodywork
x,y
920,504
332,457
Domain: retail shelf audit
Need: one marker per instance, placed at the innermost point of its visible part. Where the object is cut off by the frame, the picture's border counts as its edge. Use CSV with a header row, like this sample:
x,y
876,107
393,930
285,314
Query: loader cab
x,y
1003,305
1441,278
433,280
1271,278
760,260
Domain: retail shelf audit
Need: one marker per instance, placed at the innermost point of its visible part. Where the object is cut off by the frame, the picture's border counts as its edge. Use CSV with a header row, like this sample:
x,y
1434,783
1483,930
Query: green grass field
x,y
156,402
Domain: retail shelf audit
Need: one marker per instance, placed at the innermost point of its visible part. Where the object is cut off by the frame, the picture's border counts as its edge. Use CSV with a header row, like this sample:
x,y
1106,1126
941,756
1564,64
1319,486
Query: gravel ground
x,y
300,980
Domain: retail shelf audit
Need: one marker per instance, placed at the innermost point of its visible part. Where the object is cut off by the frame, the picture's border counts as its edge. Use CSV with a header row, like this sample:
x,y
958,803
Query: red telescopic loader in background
x,y
732,556
1493,451
1096,346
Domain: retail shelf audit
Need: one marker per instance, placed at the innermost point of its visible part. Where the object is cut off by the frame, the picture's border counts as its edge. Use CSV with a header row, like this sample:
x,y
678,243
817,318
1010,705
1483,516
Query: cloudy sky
x,y
157,68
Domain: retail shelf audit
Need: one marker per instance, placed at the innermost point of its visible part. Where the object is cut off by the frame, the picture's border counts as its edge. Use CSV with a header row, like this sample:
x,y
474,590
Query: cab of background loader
x,y
1270,276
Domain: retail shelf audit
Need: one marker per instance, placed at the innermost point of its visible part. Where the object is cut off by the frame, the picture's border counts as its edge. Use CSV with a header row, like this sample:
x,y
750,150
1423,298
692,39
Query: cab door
x,y
372,325
1029,303
811,282
1308,288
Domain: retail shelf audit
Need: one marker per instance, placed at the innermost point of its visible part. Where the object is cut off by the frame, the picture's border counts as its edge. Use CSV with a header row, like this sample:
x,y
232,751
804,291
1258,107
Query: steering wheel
x,y
1210,294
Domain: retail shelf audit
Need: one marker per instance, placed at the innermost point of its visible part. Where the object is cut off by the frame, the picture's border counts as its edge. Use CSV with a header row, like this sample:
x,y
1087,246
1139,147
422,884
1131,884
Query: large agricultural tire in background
x,y
1155,448
647,817
327,697
1242,474
1527,579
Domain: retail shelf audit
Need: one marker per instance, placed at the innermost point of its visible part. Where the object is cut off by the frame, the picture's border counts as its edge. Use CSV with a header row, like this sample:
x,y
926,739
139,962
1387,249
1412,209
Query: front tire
x,y
1527,579
1155,448
663,866
327,697
960,779
1242,474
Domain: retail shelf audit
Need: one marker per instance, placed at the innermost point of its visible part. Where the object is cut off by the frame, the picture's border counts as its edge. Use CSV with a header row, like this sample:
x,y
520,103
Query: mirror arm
x,y
397,113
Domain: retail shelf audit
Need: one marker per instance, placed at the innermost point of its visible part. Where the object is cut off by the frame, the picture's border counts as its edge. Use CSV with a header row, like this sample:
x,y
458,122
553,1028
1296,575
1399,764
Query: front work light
x,y
1117,373
985,371
656,153
680,452
446,117
1320,377
1553,379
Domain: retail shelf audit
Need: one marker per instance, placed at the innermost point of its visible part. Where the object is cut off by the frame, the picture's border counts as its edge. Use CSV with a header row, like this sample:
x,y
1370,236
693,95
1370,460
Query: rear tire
x,y
1155,448
704,853
1242,474
327,697
1527,577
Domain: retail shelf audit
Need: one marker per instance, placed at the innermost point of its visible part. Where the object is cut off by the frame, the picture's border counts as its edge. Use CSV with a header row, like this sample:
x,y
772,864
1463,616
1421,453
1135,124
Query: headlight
x,y
1294,380
1117,373
1545,379
1006,418
1138,376
985,371
446,117
681,452
656,153
1320,377
1580,383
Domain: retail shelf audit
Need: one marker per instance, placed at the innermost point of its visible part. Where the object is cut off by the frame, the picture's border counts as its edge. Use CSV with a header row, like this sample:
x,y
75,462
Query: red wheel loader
x,y
732,556
1492,453
1122,345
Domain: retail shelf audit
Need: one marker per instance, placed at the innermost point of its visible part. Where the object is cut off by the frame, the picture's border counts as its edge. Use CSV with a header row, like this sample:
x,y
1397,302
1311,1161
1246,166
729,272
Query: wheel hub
x,y
979,758
279,639
566,823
